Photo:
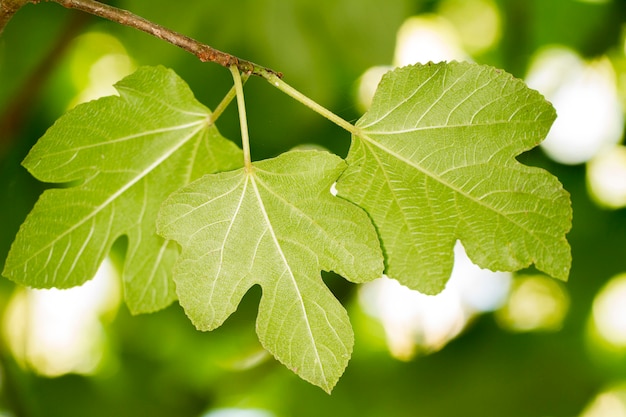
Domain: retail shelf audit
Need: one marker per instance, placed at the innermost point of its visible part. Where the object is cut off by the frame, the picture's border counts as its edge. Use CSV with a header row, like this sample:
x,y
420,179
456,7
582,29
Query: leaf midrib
x,y
125,138
424,171
318,361
455,126
123,189
312,222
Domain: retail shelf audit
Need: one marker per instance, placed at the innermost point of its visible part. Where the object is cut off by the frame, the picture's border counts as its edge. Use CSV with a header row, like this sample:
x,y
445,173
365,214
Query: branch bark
x,y
204,52
7,9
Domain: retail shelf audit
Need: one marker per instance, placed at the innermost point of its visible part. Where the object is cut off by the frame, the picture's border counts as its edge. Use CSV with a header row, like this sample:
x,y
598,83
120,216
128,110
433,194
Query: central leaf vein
x,y
142,174
290,273
445,183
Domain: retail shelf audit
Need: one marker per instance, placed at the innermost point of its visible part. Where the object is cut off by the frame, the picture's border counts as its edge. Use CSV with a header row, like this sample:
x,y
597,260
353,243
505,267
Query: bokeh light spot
x,y
98,61
609,312
60,331
239,412
585,96
477,22
427,38
606,177
610,403
536,303
417,323
367,85
420,39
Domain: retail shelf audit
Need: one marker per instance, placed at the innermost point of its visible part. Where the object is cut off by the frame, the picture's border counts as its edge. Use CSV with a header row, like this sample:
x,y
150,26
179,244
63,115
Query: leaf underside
x,y
127,153
434,161
275,226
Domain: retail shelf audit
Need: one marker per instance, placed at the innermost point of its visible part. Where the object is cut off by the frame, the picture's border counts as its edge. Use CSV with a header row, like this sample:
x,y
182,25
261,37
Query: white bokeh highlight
x,y
56,332
606,177
585,96
609,312
426,38
414,322
238,412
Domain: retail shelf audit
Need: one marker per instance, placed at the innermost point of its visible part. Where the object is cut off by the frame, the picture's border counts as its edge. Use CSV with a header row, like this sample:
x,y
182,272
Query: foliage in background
x,y
192,365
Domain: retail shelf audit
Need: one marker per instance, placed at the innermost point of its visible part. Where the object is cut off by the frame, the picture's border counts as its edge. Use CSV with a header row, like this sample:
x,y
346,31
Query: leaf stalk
x,y
230,95
279,83
243,121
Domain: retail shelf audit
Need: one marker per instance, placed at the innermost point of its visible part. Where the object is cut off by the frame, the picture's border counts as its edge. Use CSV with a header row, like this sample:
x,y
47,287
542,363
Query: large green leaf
x,y
121,156
434,161
276,225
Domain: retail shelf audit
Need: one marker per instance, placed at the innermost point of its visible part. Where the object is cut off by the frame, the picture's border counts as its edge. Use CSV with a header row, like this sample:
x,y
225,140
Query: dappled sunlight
x,y
367,84
609,313
584,94
414,322
59,331
239,412
461,28
420,39
535,303
253,287
427,38
606,177
610,403
98,61
477,22
102,75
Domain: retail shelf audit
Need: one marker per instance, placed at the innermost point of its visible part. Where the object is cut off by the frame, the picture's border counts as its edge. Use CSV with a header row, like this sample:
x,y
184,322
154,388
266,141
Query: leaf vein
x,y
291,275
116,194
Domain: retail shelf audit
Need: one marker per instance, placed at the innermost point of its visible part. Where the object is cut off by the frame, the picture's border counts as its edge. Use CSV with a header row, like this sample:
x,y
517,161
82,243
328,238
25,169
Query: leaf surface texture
x,y
434,161
275,226
119,157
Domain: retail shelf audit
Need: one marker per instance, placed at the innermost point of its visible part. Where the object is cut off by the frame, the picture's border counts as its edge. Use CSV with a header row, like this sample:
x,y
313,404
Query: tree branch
x,y
204,52
8,9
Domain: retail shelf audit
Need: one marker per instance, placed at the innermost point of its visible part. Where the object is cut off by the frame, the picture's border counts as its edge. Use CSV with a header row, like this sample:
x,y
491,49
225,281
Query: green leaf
x,y
275,226
120,157
434,161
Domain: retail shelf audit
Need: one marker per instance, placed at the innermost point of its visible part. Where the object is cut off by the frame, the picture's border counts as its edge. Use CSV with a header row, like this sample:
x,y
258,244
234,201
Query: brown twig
x,y
7,9
204,52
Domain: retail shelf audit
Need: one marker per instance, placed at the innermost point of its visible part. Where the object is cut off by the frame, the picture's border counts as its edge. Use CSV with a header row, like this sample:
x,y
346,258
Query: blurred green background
x,y
490,345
